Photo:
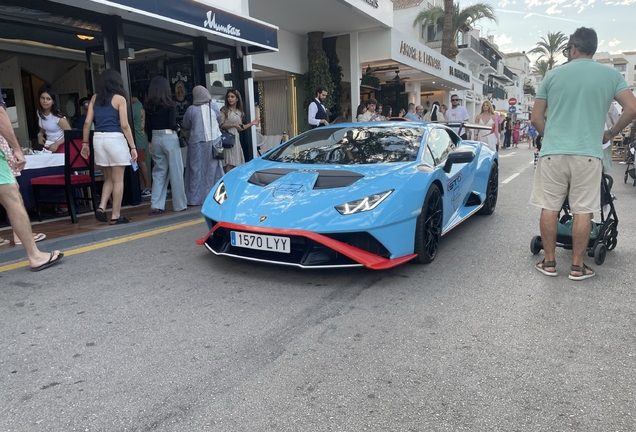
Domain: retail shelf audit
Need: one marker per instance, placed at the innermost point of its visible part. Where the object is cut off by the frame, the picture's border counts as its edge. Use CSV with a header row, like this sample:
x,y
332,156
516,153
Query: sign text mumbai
x,y
420,56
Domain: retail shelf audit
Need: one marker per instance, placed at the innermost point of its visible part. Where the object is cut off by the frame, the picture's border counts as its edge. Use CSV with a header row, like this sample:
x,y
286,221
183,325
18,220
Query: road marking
x,y
509,179
506,155
109,243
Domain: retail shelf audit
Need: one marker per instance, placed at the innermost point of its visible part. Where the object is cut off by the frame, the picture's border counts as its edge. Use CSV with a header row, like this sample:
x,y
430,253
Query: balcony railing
x,y
508,73
470,42
497,92
490,54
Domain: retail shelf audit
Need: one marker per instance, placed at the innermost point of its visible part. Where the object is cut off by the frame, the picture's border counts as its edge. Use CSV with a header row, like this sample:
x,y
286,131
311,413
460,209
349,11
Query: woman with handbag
x,y
232,122
203,169
113,142
163,145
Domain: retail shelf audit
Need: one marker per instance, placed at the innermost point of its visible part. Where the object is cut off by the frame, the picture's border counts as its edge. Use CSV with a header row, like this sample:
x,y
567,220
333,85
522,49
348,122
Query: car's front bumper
x,y
308,249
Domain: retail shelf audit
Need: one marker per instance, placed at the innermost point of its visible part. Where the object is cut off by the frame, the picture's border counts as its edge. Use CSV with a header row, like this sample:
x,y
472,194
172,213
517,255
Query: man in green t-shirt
x,y
569,112
141,141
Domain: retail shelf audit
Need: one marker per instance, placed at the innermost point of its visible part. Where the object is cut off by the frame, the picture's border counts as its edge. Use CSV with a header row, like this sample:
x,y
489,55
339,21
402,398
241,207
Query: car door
x,y
457,182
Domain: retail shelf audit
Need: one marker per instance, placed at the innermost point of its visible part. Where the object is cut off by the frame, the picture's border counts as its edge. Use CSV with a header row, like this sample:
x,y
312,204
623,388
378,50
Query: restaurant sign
x,y
373,3
420,56
458,74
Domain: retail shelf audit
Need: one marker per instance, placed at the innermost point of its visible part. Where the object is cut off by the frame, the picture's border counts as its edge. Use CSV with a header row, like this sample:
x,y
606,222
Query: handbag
x,y
183,142
217,153
228,139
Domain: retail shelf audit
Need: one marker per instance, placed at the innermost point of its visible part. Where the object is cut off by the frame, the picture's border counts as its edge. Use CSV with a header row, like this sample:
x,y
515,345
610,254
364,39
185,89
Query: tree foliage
x,y
462,21
541,67
318,74
549,48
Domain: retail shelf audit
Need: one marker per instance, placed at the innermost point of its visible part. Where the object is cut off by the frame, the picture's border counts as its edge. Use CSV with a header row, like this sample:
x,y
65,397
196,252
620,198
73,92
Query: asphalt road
x,y
158,334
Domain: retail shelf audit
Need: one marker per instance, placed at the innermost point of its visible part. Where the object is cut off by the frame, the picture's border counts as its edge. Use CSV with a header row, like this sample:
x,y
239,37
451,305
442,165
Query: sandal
x,y
100,215
36,238
585,271
120,220
543,264
4,242
155,212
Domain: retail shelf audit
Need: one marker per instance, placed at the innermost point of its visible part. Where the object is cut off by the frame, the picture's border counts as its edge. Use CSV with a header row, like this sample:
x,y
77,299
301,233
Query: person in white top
x,y
458,114
316,112
370,114
51,121
487,117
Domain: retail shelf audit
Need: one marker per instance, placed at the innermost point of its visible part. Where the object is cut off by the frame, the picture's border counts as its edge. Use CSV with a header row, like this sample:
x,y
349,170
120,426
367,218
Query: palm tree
x,y
550,48
460,20
541,68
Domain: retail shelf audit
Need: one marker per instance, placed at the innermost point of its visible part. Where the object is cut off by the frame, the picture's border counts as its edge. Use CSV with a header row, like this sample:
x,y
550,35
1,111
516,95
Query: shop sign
x,y
420,56
458,74
210,22
204,17
373,3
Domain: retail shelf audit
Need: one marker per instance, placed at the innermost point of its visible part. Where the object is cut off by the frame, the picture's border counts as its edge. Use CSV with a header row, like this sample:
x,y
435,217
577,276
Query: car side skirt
x,y
362,257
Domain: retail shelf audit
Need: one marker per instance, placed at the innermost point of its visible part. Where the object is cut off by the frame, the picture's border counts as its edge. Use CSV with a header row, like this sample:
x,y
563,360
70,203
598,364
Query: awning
x,y
177,14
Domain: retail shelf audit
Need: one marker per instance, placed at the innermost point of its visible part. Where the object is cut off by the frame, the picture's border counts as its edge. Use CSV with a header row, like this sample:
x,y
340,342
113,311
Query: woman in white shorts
x,y
112,142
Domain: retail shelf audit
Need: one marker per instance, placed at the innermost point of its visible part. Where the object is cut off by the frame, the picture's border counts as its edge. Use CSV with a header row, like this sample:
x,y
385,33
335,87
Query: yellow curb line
x,y
108,243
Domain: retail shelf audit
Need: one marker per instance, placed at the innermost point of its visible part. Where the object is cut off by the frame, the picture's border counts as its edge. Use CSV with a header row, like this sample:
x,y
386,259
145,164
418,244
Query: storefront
x,y
67,43
407,70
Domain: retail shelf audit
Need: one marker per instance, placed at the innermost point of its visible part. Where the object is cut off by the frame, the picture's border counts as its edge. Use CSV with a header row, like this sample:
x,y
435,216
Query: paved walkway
x,y
62,234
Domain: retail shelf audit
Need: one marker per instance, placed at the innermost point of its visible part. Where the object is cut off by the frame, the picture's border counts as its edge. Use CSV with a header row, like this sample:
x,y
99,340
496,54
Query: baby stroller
x,y
629,170
603,235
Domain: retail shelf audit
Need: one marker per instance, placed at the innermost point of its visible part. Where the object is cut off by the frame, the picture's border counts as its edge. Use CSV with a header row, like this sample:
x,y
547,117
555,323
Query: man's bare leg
x,y
548,228
581,228
11,200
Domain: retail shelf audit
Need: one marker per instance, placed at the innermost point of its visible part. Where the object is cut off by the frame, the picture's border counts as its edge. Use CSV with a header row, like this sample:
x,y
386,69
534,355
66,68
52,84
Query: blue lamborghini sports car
x,y
352,194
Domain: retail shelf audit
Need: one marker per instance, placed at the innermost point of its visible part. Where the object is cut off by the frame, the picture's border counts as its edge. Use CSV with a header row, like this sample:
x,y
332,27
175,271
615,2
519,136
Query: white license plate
x,y
260,242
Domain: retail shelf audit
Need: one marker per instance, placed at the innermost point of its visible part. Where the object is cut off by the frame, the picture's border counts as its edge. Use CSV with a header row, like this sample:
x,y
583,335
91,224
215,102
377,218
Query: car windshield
x,y
352,145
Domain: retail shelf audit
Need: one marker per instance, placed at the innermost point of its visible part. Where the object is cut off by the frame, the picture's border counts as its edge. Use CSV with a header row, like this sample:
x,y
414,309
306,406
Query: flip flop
x,y
4,242
36,238
155,212
100,215
49,263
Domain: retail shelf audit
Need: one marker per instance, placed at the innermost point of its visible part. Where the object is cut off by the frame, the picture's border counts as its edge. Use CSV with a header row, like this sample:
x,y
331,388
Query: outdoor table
x,y
38,165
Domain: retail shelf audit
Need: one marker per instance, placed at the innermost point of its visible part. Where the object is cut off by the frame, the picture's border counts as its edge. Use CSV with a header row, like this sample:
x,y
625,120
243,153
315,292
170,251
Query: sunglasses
x,y
454,100
566,50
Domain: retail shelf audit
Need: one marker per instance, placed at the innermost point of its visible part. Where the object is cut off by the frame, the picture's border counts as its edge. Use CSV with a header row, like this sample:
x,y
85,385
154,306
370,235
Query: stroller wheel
x,y
610,238
536,245
599,254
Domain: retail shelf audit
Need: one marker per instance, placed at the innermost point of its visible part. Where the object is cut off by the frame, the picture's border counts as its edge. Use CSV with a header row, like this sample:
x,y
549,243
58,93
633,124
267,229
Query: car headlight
x,y
364,204
220,195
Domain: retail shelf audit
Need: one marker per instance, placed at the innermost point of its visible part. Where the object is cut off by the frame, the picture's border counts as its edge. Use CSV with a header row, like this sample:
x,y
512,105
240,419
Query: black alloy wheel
x,y
492,191
428,231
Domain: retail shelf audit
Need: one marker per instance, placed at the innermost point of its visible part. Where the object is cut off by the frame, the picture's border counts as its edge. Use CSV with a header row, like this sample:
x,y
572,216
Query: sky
x,y
523,22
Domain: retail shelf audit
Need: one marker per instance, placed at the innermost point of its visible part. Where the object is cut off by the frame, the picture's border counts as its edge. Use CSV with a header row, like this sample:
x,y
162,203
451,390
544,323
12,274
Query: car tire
x,y
492,192
428,231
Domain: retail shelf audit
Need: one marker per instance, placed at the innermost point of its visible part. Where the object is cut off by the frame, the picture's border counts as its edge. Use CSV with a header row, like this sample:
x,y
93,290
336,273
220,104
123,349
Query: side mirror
x,y
458,157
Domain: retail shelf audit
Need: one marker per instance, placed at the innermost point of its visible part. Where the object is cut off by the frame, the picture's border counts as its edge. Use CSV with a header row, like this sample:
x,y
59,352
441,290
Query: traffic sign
x,y
512,101
512,110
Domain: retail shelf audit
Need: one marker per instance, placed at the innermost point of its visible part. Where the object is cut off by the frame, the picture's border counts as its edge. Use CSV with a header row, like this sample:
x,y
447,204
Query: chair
x,y
79,174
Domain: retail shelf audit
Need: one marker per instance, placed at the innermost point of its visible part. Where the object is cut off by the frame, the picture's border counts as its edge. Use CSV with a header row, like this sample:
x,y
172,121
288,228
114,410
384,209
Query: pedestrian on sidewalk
x,y
113,142
11,199
570,162
163,145
202,119
141,141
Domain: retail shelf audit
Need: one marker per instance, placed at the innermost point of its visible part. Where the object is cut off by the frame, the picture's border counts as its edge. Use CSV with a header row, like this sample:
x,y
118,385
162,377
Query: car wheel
x,y
492,191
429,227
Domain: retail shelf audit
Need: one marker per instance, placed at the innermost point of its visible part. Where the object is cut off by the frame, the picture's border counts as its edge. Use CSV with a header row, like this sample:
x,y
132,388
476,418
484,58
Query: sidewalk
x,y
63,235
